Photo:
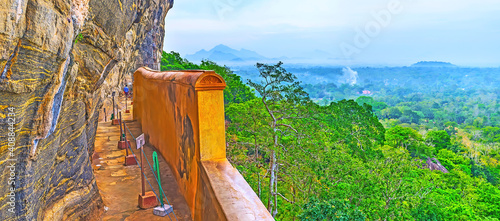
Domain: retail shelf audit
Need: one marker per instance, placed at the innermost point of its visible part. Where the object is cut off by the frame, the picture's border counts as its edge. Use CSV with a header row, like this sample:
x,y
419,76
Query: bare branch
x,y
279,194
286,125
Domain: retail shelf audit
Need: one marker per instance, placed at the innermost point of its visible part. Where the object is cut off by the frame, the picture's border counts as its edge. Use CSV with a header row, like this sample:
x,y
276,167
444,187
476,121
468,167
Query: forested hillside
x,y
400,155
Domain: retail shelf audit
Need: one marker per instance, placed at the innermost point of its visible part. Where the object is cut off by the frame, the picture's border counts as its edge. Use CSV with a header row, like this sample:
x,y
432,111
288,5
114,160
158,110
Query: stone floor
x,y
120,185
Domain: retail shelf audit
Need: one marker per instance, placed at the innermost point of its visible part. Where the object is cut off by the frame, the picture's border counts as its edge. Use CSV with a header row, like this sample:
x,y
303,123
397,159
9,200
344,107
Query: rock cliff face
x,y
58,60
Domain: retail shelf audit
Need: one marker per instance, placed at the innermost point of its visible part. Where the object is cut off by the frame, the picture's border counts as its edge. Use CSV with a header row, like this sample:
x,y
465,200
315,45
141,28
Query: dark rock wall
x,y
58,60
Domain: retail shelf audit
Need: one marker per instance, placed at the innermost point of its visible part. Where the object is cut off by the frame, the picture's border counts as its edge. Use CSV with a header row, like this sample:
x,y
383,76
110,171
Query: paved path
x,y
120,185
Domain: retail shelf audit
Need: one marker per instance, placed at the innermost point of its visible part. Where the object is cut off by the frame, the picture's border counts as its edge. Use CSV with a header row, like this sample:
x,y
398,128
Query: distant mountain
x,y
232,57
433,64
224,53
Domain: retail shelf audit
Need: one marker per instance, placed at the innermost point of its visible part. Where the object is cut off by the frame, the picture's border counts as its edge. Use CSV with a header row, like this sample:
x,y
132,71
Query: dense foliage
x,y
337,161
236,91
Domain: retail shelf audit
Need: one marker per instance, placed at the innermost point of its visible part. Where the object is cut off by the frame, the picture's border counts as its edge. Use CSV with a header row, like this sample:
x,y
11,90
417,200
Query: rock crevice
x,y
59,59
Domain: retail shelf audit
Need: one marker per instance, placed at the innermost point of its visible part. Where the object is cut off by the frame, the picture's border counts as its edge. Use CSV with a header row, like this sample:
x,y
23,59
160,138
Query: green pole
x,y
156,167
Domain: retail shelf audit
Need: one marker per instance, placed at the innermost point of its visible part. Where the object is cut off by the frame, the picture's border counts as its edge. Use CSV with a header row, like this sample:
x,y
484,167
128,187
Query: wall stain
x,y
187,147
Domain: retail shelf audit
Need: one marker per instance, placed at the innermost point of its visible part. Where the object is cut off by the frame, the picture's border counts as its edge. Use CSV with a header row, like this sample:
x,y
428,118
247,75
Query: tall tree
x,y
283,98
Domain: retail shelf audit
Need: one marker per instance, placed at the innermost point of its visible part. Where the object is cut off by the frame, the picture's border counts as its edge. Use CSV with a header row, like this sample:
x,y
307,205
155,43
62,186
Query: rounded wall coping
x,y
199,79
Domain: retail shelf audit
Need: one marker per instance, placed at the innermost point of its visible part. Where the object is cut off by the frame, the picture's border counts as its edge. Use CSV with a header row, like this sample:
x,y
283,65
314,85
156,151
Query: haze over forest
x,y
396,32
355,110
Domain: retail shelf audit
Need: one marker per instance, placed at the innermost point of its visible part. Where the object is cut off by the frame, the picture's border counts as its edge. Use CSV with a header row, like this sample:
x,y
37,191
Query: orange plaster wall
x,y
182,115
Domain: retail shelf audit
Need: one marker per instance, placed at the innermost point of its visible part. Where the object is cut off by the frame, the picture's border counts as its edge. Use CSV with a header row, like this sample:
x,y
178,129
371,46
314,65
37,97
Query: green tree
x,y
236,91
354,126
394,113
365,100
413,116
174,61
331,210
439,139
491,134
283,98
397,185
248,122
410,139
428,113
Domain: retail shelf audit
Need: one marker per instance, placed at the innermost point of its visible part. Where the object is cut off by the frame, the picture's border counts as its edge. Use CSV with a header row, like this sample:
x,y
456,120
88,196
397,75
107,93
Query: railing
x,y
182,115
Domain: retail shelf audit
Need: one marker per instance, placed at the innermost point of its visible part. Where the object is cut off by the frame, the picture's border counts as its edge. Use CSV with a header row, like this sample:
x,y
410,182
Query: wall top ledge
x,y
201,80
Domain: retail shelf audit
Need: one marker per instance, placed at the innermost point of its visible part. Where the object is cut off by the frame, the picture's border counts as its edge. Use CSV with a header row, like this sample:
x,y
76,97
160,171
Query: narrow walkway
x,y
120,185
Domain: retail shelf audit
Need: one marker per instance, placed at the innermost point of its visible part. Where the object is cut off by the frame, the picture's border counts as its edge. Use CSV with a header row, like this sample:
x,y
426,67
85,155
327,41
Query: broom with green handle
x,y
156,167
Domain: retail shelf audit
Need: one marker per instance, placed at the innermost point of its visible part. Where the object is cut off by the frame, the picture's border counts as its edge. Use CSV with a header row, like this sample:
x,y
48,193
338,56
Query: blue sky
x,y
363,32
